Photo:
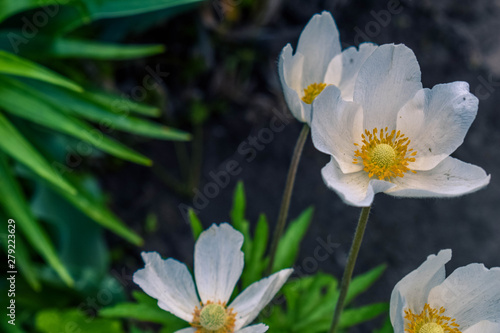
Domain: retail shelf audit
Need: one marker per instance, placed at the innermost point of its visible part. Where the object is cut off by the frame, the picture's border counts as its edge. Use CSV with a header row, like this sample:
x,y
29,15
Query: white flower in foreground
x,y
467,301
218,264
394,136
318,62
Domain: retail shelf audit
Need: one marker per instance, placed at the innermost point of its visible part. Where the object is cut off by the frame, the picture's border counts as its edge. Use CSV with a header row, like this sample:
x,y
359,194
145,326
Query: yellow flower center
x,y
431,328
213,318
430,321
312,91
385,155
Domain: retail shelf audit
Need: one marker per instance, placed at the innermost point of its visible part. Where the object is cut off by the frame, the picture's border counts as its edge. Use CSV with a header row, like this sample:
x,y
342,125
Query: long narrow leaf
x,y
121,104
70,18
15,205
362,282
76,48
44,46
15,145
83,106
253,271
25,102
288,246
14,65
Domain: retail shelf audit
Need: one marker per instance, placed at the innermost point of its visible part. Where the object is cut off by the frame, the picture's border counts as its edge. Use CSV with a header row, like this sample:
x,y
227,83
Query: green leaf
x,y
289,244
14,65
348,318
9,8
146,309
256,264
23,260
239,206
352,317
50,321
320,297
16,146
238,218
86,11
196,226
20,100
120,104
15,205
362,282
62,47
85,106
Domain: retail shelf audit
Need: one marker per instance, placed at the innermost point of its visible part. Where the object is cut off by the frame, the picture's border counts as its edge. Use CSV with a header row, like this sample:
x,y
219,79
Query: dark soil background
x,y
230,69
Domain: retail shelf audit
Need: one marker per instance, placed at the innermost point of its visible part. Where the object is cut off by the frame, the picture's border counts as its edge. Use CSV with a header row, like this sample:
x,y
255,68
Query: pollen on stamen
x,y
430,320
312,91
384,154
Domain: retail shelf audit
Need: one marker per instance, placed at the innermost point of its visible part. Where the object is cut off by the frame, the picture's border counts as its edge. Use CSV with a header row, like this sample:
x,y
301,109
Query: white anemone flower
x,y
218,264
394,136
318,62
467,301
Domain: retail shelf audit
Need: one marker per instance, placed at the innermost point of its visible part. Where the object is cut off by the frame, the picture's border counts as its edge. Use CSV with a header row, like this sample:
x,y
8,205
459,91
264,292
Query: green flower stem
x,y
287,195
351,262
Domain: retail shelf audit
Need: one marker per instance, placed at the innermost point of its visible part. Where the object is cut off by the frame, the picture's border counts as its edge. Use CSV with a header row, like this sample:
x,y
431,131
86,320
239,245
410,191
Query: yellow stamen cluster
x,y
430,321
213,318
384,155
312,91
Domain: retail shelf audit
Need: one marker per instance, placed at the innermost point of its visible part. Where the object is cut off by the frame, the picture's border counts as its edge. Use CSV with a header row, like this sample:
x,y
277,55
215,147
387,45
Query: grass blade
x,y
14,65
20,100
15,205
16,146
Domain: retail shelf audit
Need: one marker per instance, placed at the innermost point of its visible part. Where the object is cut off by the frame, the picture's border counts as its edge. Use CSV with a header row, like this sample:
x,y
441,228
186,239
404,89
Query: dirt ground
x,y
452,41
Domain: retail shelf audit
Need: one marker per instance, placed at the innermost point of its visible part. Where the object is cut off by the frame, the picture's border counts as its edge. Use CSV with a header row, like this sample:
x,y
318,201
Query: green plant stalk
x,y
351,262
287,195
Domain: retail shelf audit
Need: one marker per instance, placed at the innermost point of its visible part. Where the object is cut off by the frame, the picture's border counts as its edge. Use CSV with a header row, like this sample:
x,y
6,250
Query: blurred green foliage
x,y
52,116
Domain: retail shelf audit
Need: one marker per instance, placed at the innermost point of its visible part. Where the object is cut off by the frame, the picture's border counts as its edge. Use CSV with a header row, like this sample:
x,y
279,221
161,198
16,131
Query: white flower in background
x,y
394,136
467,301
318,62
218,264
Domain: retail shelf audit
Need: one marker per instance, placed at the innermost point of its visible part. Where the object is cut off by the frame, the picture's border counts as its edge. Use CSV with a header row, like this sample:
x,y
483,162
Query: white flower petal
x,y
387,80
170,282
186,330
414,288
398,304
290,72
484,327
336,126
343,69
449,178
319,43
436,122
218,262
260,328
255,297
470,294
354,189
